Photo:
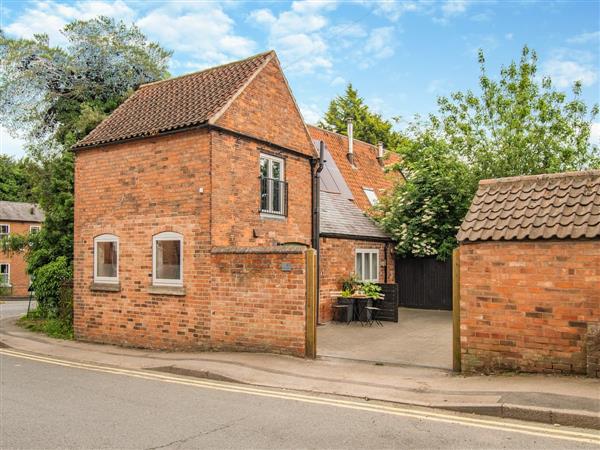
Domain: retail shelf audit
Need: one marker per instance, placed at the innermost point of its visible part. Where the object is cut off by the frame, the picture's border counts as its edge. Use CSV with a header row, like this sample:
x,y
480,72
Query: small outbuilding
x,y
530,275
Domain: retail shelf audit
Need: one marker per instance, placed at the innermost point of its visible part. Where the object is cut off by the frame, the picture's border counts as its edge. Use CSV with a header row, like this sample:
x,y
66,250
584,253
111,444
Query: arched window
x,y
106,259
167,259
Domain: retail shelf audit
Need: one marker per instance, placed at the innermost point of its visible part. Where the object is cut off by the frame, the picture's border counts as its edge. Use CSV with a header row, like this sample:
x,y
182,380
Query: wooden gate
x,y
424,283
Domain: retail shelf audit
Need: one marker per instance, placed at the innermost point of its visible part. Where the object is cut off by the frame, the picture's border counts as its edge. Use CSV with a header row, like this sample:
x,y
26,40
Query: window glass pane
x,y
3,273
276,196
106,259
167,260
276,170
264,167
264,194
359,265
374,274
367,266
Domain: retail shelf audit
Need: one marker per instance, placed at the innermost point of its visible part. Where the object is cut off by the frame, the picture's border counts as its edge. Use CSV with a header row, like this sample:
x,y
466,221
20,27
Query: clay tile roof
x,y
176,103
20,212
555,206
366,173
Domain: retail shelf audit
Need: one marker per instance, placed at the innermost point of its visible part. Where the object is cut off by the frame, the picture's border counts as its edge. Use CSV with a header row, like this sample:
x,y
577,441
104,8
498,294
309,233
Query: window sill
x,y
265,215
166,290
105,287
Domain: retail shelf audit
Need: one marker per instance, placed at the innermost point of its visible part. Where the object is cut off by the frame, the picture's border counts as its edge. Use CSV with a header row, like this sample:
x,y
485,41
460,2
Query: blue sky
x,y
400,55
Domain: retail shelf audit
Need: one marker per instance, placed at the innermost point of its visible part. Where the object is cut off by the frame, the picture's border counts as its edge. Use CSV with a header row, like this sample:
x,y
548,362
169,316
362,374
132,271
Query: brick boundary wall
x,y
527,305
259,300
593,350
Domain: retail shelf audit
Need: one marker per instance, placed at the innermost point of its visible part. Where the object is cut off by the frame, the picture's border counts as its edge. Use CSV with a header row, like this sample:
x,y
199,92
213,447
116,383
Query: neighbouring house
x,y
352,181
193,215
17,218
530,275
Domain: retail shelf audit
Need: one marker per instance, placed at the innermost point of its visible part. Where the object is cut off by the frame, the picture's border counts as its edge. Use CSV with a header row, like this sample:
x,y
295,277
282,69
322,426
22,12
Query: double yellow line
x,y
489,424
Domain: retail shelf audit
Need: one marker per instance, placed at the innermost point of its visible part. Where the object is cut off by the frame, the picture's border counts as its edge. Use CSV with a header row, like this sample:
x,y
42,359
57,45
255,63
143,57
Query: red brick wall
x,y
257,305
266,110
19,279
136,190
338,262
236,195
526,305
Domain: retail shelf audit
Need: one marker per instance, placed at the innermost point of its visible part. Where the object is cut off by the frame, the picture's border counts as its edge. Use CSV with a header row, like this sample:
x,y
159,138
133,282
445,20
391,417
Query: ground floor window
x,y
167,256
106,260
4,274
367,264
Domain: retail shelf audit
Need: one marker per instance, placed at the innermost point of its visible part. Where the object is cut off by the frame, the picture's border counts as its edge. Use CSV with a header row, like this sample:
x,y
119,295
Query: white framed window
x,y
4,230
273,188
167,259
106,258
34,228
371,195
367,264
4,274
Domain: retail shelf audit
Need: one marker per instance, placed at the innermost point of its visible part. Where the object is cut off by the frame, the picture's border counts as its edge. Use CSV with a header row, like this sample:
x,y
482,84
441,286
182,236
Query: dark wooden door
x,y
424,283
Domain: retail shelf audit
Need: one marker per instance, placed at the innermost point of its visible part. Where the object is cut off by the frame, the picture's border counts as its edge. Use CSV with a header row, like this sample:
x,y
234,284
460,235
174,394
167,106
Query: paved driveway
x,y
9,308
421,337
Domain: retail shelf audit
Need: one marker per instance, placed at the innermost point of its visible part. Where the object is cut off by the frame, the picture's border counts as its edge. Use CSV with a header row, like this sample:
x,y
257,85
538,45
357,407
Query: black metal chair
x,y
373,315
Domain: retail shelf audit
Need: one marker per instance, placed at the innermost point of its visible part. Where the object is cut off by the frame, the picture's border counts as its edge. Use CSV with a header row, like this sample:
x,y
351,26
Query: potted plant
x,y
349,286
371,291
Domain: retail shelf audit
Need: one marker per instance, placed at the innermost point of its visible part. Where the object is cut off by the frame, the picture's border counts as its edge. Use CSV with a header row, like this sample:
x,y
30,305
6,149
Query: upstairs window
x,y
4,274
167,259
371,195
106,259
273,188
367,264
34,229
4,230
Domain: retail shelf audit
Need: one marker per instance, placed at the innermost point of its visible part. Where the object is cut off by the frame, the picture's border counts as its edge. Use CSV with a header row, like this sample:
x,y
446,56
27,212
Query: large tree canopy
x,y
18,179
368,126
517,124
62,93
54,96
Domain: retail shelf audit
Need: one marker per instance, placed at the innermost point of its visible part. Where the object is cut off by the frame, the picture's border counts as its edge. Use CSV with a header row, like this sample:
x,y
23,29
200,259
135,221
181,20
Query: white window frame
x,y
371,195
105,238
8,273
37,228
363,251
282,198
7,225
167,236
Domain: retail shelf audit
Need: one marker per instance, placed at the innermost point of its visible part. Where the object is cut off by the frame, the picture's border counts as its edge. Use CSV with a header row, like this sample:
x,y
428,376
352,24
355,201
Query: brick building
x,y
530,275
193,215
17,218
353,179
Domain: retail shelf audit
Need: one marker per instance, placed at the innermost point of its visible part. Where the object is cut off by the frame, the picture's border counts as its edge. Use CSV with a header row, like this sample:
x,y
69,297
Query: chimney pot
x,y
380,152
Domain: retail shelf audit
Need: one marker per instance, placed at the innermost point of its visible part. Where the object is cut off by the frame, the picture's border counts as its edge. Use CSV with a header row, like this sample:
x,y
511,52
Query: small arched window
x,y
106,259
167,259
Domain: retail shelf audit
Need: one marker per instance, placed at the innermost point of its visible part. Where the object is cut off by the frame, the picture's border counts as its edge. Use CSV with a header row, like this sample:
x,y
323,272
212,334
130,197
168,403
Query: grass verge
x,y
52,327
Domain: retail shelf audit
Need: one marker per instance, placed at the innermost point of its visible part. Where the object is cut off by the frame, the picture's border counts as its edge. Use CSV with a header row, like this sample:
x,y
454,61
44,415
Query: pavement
x,y
570,401
421,338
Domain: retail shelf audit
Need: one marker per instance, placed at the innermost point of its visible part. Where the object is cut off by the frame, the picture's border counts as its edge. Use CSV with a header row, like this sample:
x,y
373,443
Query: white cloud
x,y
207,36
338,81
565,72
10,145
595,133
584,38
311,113
50,17
298,34
393,9
454,7
509,36
437,86
380,43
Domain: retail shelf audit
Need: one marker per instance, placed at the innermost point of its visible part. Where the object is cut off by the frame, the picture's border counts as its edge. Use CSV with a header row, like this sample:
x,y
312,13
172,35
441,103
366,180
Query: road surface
x,y
50,403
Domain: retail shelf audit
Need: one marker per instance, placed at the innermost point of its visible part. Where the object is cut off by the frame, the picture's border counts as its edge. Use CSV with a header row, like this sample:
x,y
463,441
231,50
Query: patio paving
x,y
420,338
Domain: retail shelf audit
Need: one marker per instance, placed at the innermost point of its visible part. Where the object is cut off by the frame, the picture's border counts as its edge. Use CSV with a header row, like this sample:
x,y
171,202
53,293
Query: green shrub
x,y
51,284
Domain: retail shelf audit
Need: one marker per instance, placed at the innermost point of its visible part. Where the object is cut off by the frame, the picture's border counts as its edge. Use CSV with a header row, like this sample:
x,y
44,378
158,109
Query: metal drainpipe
x,y
316,168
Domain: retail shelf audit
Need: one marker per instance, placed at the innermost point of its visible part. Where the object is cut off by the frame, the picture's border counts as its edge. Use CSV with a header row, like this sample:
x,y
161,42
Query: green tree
x,y
54,96
18,179
368,126
517,125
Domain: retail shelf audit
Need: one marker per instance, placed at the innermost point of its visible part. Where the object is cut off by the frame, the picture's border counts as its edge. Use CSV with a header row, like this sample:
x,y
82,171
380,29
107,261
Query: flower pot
x,y
345,315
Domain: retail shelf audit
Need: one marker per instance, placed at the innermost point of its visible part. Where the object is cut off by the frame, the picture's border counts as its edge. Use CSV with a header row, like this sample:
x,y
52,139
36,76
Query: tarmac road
x,y
52,403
